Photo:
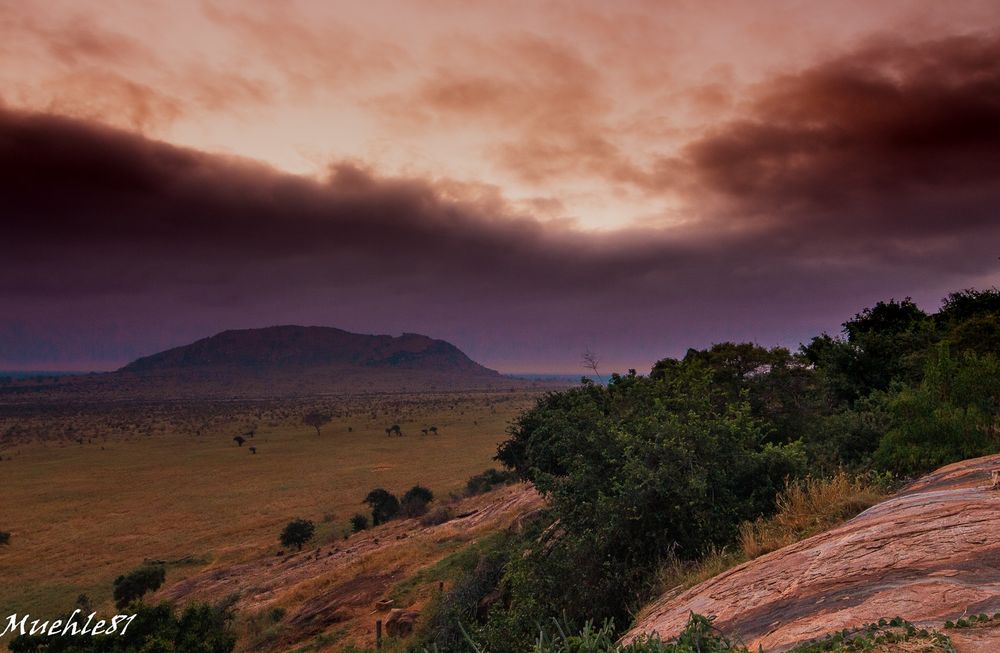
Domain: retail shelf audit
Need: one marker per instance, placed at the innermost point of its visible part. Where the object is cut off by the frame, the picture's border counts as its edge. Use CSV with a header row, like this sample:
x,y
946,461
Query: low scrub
x,y
487,480
805,508
810,506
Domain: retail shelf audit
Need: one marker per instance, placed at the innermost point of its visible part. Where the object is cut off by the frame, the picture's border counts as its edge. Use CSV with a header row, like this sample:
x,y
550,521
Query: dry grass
x,y
808,507
82,513
805,508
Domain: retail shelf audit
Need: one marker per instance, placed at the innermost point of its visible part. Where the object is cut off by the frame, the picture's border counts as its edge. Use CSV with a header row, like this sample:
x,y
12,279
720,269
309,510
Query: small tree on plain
x,y
239,440
297,532
316,420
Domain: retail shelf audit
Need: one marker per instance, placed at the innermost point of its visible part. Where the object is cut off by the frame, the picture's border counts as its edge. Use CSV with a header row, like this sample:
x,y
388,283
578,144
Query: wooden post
x,y
378,634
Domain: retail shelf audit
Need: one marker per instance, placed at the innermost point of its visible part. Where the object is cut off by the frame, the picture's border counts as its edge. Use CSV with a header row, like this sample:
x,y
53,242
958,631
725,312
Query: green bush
x,y
951,415
415,501
641,469
156,629
297,532
133,585
359,523
384,505
488,480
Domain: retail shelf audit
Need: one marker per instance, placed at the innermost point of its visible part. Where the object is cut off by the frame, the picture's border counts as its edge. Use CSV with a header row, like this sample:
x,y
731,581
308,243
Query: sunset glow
x,y
553,161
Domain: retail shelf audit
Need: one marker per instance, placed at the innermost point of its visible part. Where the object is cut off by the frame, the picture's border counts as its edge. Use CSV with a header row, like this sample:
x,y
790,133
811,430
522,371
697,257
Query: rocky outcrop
x,y
337,585
929,554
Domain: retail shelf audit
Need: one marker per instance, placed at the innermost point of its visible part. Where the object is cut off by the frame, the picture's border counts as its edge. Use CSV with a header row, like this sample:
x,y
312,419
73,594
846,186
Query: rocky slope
x,y
929,554
330,591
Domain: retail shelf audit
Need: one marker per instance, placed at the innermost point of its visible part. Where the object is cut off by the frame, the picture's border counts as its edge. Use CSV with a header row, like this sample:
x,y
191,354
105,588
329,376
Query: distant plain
x,y
90,492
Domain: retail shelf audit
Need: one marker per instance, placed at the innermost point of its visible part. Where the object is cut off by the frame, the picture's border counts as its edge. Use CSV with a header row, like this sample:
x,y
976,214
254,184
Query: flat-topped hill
x,y
280,361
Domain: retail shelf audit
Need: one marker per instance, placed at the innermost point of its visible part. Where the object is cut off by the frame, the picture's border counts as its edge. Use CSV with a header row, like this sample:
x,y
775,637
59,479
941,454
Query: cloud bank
x,y
869,175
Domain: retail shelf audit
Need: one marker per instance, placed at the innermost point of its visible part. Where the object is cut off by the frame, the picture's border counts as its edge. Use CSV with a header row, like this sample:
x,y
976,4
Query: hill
x,y
929,554
281,361
294,348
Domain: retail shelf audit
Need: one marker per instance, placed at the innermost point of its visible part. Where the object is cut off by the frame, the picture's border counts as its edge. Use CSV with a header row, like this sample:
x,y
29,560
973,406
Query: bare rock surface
x,y
929,554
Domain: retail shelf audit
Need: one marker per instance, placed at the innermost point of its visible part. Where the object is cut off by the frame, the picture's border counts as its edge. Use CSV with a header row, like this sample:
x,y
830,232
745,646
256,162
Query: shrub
x,y
634,471
359,523
199,628
4,537
487,480
297,532
950,416
133,585
415,501
439,515
384,505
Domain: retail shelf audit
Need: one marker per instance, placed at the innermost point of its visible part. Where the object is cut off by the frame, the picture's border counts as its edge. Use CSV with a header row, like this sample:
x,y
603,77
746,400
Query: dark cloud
x,y
871,175
885,129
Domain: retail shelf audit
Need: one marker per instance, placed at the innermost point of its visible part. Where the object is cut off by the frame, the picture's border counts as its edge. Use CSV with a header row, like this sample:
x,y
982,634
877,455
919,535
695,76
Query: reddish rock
x,y
929,554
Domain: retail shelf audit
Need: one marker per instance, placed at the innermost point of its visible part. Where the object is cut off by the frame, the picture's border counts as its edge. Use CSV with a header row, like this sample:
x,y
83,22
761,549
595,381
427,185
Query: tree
x,y
881,344
316,420
590,361
384,505
199,628
395,429
133,585
635,471
433,430
415,501
239,440
359,523
950,416
297,532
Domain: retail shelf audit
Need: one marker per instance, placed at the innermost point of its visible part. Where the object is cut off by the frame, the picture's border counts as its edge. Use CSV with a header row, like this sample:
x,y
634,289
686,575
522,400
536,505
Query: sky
x,y
527,180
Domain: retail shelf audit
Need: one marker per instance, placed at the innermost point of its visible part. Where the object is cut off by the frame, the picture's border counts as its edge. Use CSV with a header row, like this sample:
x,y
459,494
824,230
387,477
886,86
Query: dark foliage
x,y
384,505
415,501
359,523
133,585
156,629
488,480
297,532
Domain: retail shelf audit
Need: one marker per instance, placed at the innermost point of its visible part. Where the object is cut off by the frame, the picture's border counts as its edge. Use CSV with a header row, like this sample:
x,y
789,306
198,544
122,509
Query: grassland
x,y
91,492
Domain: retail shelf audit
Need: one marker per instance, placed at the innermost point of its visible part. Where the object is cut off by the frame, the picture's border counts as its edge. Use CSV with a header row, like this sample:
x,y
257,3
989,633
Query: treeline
x,y
668,466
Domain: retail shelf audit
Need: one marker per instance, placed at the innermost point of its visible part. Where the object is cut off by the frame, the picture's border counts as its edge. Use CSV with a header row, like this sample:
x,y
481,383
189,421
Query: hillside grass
x,y
804,508
81,514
